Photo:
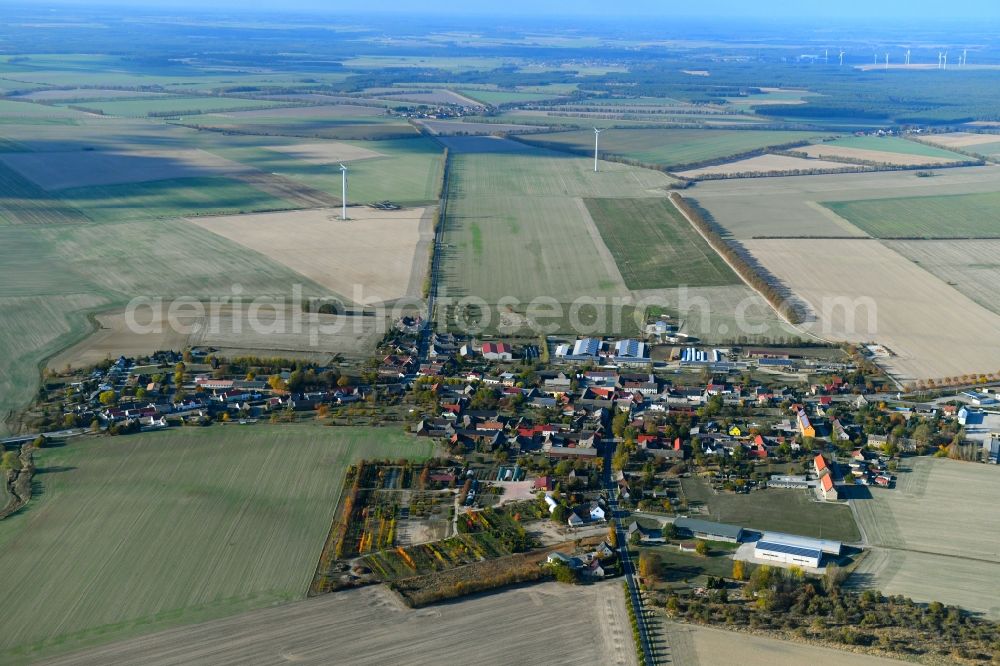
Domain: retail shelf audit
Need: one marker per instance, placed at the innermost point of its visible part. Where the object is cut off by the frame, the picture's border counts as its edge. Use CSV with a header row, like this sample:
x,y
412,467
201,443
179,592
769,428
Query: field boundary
x,y
791,312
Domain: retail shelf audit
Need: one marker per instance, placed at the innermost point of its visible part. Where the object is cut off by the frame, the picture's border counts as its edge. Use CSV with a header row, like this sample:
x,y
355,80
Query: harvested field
x,y
670,147
248,508
933,535
81,94
431,97
970,266
942,216
868,292
55,171
894,144
383,253
961,139
655,247
828,150
694,645
788,206
326,153
764,164
452,127
583,625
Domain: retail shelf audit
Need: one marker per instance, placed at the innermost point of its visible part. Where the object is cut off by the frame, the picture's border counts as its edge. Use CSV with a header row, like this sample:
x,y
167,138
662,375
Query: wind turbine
x,y
343,198
597,136
841,57
887,61
965,57
907,57
940,55
945,60
826,56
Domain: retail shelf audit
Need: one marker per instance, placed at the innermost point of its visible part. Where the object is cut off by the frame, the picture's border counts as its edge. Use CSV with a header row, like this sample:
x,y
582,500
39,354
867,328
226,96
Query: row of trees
x,y
749,273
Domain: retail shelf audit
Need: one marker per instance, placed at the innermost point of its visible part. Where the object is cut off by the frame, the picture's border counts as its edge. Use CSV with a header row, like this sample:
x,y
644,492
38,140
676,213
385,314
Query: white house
x,y
597,512
575,520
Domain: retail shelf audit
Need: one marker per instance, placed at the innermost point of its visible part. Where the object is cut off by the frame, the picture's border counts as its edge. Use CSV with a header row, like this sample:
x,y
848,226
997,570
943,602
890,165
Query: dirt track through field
x,y
548,623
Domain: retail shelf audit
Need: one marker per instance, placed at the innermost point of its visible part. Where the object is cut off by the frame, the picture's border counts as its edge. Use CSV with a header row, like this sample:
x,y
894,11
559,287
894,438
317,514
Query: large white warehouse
x,y
792,549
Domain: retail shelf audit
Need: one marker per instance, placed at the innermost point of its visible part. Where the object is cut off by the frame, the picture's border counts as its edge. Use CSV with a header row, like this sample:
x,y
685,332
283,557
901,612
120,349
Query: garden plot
x,y
375,256
55,171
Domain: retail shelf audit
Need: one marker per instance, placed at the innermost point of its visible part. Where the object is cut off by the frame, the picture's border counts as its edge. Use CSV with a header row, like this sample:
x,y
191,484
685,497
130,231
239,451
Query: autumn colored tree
x,y
739,573
612,534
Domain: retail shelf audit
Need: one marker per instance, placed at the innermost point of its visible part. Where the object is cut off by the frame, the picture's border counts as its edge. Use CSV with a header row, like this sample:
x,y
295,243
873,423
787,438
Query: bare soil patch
x,y
820,151
765,164
375,256
960,139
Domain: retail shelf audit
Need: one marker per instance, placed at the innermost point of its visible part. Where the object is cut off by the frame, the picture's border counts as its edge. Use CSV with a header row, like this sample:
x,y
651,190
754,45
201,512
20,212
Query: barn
x,y
708,531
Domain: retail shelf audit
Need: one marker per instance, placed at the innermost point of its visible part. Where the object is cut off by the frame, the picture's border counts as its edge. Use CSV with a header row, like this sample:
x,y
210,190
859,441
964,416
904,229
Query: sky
x,y
810,10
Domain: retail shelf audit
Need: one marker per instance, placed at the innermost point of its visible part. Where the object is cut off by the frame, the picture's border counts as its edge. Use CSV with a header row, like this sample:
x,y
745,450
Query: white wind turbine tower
x,y
945,60
343,198
939,59
597,136
965,57
826,56
887,61
907,57
841,57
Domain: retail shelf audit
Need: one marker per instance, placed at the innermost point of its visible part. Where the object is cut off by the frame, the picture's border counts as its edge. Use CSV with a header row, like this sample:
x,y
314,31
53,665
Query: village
x,y
514,427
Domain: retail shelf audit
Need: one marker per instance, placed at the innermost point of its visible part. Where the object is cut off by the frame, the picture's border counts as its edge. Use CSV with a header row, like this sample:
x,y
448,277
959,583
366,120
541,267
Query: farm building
x,y
630,351
787,481
709,531
497,351
793,549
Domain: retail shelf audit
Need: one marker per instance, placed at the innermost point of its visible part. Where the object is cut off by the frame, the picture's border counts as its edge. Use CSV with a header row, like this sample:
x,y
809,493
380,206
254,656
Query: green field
x,y
136,108
134,534
23,202
409,172
655,247
55,275
670,148
777,509
171,198
495,97
943,216
517,225
894,144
